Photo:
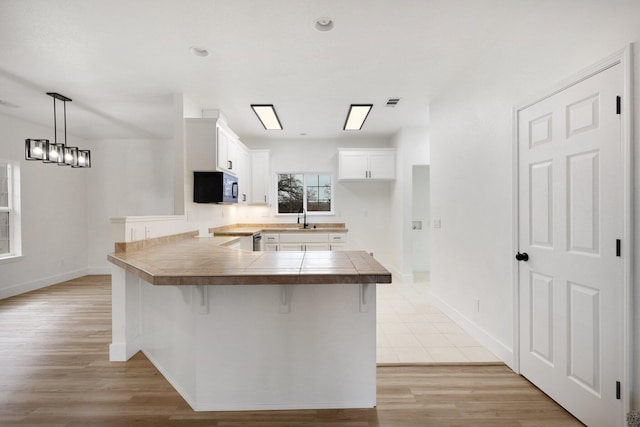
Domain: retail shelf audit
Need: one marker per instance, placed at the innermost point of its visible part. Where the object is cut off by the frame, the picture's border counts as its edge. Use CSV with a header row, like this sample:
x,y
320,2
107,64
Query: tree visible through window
x,y
311,191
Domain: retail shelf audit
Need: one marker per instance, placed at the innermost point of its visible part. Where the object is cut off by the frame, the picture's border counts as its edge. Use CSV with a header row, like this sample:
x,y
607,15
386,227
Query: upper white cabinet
x,y
260,176
243,171
211,146
228,147
367,164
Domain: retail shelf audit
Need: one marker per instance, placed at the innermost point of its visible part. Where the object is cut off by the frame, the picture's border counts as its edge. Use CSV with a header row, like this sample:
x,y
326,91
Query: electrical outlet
x,y
437,223
476,305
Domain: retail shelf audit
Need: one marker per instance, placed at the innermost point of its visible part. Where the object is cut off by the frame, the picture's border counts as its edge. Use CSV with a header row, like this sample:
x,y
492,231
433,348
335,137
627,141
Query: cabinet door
x,y
316,246
243,172
233,152
337,246
291,247
382,165
353,165
260,177
270,247
222,147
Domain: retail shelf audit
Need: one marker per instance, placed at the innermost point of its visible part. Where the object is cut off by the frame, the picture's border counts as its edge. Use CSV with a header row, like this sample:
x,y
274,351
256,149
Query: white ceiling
x,y
121,60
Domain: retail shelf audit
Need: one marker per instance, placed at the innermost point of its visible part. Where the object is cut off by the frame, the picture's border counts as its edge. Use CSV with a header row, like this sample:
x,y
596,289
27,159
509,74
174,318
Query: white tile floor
x,y
410,330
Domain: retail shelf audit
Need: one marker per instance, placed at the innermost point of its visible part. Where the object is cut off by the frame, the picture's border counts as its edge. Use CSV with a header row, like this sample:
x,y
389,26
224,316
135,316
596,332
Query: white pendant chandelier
x,y
60,154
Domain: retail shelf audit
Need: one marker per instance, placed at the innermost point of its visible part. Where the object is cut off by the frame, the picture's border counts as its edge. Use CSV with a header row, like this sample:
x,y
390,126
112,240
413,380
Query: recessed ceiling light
x,y
267,115
357,115
324,24
199,51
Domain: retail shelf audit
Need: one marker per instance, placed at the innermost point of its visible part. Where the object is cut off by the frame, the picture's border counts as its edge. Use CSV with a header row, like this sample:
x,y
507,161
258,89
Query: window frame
x,y
13,208
304,193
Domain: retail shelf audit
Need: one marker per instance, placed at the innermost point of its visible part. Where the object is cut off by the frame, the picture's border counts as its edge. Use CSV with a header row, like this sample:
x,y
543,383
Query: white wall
x,y
127,177
54,214
412,148
420,239
364,206
471,151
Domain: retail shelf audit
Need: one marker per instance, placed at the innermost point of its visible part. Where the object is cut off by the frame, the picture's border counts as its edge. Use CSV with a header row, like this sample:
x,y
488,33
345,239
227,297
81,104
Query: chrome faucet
x,y
304,223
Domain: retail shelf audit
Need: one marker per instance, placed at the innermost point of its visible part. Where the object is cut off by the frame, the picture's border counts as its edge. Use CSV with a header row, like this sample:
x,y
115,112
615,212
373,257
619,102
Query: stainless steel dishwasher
x,y
257,242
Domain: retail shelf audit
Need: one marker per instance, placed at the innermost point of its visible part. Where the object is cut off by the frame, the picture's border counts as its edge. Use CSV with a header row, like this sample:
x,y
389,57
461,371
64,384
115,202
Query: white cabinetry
x,y
337,241
228,147
243,171
210,146
369,164
260,176
270,241
305,241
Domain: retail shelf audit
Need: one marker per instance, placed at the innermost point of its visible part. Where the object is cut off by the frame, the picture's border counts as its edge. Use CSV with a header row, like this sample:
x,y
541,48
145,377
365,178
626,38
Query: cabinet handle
x,y
230,164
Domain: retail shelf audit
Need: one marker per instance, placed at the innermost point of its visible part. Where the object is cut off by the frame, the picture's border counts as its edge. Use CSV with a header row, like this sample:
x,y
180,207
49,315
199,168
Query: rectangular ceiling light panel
x,y
357,115
267,115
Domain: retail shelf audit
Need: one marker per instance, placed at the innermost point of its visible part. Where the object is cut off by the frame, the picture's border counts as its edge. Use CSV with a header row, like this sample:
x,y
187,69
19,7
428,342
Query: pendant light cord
x,y
55,123
64,104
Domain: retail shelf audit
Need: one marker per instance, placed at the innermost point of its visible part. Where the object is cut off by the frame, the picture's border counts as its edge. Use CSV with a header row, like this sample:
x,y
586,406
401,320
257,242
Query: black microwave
x,y
214,187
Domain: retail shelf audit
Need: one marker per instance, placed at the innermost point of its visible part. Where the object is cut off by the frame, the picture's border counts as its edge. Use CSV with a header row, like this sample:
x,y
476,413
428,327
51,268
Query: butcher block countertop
x,y
251,229
189,260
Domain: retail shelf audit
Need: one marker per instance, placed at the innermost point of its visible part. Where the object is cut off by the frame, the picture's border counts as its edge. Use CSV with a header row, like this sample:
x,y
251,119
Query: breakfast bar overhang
x,y
239,330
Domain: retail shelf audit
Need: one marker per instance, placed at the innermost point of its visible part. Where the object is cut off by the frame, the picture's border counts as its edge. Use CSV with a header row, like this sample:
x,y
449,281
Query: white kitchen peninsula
x,y
239,330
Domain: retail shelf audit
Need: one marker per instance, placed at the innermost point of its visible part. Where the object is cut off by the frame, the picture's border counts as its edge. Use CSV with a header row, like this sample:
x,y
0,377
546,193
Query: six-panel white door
x,y
570,216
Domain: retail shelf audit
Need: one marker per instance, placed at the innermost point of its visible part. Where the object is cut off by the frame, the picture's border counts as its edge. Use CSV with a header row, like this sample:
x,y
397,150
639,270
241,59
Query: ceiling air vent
x,y
392,102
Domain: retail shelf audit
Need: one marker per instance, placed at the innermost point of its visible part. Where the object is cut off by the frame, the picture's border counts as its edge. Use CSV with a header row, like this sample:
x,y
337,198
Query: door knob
x,y
522,256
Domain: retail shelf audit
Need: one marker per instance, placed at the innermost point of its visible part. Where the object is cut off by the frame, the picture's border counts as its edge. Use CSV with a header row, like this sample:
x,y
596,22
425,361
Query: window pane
x,y
318,193
4,185
325,180
290,193
312,180
4,233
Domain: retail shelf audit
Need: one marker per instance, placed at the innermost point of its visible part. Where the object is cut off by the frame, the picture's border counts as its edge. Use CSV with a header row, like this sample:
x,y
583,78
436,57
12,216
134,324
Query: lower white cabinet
x,y
316,246
306,241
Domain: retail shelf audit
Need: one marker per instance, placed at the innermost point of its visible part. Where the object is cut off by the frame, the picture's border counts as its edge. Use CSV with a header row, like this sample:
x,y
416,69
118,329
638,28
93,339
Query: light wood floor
x,y
54,371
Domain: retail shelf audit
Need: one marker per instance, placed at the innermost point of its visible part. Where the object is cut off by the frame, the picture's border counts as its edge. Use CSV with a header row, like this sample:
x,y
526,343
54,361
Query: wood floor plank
x,y
55,372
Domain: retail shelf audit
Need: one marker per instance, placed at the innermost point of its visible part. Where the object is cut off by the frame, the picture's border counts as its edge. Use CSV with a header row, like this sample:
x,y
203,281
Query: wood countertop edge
x,y
267,279
252,279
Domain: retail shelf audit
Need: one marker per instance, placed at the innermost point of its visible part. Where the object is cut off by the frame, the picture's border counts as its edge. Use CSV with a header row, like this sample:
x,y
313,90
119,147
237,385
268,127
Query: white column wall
x,y
412,148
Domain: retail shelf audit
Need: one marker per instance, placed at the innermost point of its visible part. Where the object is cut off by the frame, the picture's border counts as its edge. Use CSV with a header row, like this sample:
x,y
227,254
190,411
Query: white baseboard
x,y
497,347
41,283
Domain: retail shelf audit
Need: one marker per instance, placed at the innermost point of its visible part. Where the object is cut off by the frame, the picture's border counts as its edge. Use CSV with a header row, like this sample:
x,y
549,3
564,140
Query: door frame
x,y
622,57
